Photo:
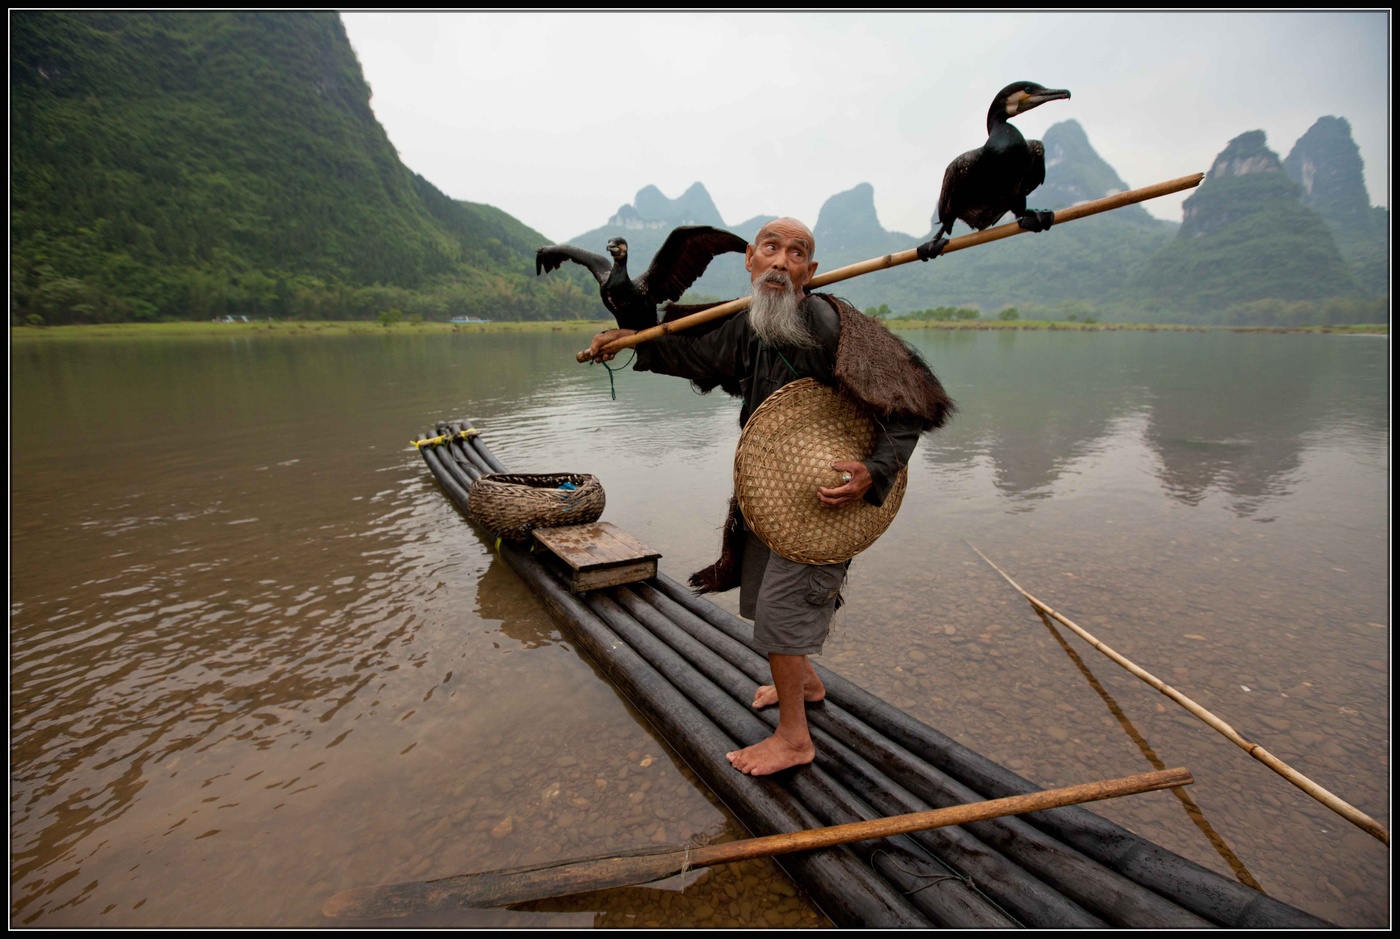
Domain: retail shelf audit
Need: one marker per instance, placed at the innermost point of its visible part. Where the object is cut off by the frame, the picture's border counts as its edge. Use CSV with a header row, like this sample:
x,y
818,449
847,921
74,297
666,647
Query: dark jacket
x,y
733,357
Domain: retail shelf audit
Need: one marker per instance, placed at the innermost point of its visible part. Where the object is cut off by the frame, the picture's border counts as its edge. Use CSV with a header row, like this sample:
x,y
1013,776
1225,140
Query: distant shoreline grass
x,y
1382,329
297,329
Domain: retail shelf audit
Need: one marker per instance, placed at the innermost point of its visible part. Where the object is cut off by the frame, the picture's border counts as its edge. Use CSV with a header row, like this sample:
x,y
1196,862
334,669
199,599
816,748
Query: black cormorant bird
x,y
982,185
683,257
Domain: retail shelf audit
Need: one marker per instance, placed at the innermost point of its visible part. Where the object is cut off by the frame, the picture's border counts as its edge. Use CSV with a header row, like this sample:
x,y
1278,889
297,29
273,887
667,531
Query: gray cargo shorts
x,y
791,604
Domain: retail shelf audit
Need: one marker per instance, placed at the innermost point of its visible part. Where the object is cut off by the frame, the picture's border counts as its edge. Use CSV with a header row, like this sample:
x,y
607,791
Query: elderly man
x,y
787,334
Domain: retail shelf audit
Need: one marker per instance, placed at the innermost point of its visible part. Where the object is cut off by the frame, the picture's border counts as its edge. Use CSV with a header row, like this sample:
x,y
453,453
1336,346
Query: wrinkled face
x,y
785,245
617,247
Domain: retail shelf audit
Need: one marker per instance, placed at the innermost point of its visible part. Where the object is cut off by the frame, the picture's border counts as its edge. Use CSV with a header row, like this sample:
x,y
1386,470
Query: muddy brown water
x,y
257,657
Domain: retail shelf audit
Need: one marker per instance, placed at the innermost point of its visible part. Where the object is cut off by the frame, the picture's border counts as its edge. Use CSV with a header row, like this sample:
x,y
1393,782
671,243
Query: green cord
x,y
612,386
786,362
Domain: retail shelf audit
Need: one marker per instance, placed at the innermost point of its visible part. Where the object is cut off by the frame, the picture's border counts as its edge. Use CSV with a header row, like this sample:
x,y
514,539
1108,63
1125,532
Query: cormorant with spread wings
x,y
982,185
683,257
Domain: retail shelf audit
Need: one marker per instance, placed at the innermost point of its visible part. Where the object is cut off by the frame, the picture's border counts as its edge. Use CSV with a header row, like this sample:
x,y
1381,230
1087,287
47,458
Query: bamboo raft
x,y
686,665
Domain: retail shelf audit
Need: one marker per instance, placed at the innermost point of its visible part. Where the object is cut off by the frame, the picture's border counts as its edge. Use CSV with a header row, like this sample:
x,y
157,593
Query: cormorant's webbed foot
x,y
1036,220
931,249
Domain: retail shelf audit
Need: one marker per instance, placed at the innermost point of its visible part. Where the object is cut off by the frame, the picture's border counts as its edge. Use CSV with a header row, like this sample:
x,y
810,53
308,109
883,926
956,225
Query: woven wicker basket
x,y
786,452
512,505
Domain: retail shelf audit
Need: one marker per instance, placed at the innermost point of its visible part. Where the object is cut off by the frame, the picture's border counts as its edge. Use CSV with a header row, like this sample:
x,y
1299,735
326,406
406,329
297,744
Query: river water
x,y
257,657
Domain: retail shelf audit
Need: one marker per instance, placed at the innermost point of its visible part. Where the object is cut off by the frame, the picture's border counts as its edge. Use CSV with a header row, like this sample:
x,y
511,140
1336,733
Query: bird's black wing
x,y
683,258
549,258
957,180
1035,172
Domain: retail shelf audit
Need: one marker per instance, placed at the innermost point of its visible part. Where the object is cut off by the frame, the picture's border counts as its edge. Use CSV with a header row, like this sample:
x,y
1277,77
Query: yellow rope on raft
x,y
438,441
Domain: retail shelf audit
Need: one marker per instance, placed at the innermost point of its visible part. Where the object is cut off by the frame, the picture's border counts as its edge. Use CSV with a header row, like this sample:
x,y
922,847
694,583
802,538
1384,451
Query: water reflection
x,y
1240,426
504,601
1030,412
1220,413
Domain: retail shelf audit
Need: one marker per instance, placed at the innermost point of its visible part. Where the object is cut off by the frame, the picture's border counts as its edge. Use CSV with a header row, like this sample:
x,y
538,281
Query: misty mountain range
x,y
1257,228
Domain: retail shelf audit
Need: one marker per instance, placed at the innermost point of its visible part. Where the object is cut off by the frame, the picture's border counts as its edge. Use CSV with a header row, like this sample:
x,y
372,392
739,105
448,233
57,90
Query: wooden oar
x,y
1347,811
518,885
1084,209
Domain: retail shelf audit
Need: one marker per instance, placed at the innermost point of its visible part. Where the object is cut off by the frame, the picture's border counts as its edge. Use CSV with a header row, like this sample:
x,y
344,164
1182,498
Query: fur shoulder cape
x,y
884,372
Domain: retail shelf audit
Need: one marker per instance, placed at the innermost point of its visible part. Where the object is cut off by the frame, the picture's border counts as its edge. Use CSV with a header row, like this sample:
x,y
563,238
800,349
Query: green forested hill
x,y
1250,239
1326,163
1250,250
188,164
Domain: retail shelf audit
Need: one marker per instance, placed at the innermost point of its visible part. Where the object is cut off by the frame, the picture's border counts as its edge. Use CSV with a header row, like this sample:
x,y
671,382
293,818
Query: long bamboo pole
x,y
1352,814
1084,209
519,885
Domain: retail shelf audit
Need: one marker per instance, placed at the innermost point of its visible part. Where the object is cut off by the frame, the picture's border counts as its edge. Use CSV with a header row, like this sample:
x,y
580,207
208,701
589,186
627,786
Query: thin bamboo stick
x,y
1193,811
1352,814
1107,203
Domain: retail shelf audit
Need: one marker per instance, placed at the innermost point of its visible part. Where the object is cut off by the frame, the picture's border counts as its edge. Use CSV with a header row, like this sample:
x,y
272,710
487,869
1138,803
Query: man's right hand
x,y
602,339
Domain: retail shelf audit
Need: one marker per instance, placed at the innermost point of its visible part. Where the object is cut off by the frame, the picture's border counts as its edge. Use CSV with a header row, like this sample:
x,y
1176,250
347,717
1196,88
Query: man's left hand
x,y
852,490
602,339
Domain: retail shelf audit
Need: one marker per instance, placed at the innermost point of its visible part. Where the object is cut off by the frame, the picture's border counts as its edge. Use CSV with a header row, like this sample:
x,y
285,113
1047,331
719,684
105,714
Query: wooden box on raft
x,y
598,555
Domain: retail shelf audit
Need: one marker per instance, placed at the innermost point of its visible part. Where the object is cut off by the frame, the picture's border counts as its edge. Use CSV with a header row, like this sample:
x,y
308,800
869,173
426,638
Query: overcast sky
x,y
558,118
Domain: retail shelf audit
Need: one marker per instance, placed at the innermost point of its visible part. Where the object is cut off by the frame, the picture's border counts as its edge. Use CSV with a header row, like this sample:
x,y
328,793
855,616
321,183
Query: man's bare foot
x,y
771,756
767,695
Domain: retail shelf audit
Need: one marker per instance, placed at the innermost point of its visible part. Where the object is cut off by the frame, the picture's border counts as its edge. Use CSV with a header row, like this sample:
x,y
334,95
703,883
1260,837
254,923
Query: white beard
x,y
777,316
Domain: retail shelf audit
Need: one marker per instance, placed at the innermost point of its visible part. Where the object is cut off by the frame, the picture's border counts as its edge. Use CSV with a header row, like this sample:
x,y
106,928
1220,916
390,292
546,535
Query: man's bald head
x,y
792,226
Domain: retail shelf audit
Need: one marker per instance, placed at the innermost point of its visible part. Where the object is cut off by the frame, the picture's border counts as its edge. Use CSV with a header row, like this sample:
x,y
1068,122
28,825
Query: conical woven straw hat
x,y
785,453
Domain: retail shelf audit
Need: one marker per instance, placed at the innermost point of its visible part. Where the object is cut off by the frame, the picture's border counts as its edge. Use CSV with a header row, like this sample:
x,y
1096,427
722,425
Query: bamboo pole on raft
x,y
1084,209
1352,814
486,889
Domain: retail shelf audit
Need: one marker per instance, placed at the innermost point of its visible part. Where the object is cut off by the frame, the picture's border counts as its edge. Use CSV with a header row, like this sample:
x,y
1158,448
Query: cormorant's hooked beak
x,y
1035,99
